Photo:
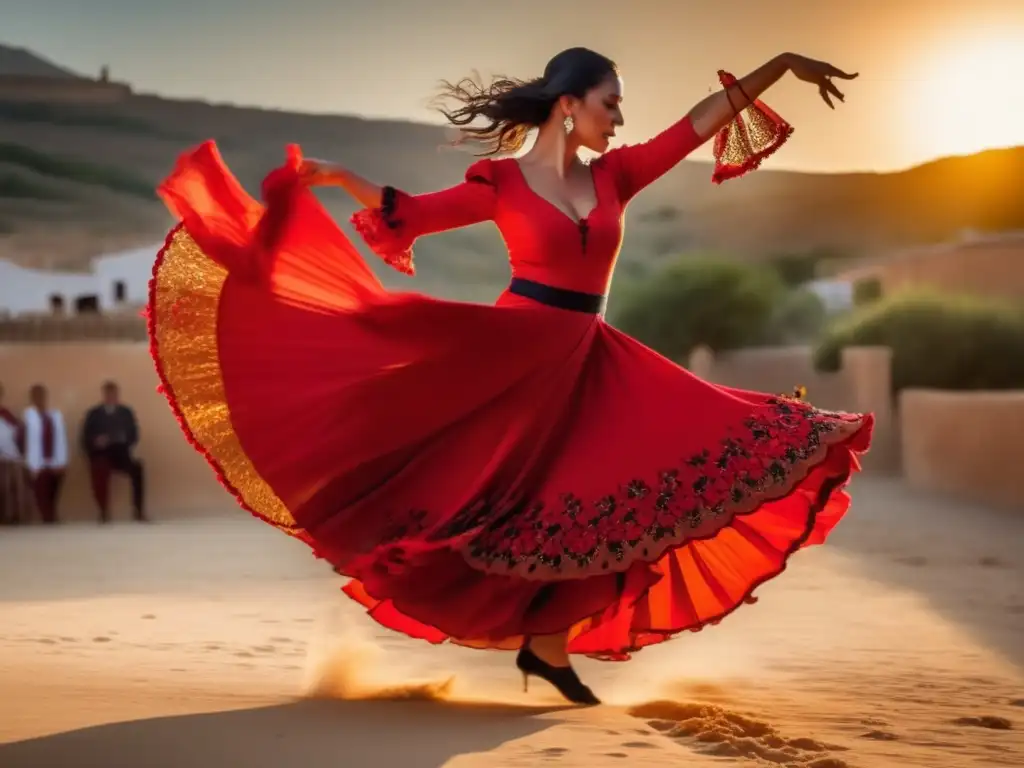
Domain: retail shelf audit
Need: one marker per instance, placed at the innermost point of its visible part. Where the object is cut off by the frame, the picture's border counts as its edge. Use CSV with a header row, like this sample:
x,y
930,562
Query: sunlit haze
x,y
938,76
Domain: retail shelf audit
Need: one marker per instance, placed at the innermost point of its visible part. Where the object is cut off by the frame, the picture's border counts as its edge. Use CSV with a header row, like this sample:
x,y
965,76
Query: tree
x,y
714,302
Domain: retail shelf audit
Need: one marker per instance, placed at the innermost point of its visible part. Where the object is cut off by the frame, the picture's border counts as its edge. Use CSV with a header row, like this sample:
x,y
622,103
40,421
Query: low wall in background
x,y
969,444
47,329
179,482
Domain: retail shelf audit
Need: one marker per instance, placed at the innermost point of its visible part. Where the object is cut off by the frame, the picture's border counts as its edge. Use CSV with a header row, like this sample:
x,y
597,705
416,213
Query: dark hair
x,y
512,107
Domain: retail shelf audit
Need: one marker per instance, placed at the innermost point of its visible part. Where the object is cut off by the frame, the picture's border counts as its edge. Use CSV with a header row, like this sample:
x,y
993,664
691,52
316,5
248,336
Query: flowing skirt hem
x,y
828,472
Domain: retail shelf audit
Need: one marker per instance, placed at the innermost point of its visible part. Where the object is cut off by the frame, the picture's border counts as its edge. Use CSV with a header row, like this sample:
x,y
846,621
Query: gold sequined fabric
x,y
750,134
184,309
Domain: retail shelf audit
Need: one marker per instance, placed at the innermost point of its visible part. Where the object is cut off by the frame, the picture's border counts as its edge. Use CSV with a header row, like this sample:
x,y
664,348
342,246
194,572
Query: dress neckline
x,y
574,216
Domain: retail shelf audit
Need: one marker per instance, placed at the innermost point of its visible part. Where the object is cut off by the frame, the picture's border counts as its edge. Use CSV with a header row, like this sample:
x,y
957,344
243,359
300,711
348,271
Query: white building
x,y
836,295
115,281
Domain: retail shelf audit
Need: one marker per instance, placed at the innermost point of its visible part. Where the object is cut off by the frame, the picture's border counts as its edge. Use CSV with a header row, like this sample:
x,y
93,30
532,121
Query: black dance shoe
x,y
563,678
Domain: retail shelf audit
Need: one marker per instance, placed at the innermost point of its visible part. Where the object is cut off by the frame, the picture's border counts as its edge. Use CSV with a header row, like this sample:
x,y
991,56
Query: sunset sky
x,y
936,75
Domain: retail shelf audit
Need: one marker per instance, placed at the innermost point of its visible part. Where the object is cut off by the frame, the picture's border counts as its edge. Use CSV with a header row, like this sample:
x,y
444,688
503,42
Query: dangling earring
x,y
569,124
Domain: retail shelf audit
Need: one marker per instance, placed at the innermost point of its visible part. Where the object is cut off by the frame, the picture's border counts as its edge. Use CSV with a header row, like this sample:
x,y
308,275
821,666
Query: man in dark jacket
x,y
108,437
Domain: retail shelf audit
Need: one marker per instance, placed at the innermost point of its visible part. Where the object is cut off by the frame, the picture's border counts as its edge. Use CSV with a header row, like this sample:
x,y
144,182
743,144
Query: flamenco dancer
x,y
520,476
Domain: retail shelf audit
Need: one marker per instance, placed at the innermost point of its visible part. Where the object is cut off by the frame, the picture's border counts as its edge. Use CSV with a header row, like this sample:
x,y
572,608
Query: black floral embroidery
x,y
761,457
403,526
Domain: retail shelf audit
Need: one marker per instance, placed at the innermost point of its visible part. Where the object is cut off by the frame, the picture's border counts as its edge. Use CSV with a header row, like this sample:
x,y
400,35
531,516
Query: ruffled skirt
x,y
478,473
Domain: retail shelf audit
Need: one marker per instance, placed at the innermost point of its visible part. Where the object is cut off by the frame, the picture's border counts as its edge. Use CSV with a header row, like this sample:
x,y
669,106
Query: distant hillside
x,y
77,180
19,61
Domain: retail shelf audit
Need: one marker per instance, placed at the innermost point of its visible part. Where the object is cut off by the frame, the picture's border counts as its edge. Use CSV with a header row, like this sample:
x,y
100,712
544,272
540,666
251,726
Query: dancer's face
x,y
597,114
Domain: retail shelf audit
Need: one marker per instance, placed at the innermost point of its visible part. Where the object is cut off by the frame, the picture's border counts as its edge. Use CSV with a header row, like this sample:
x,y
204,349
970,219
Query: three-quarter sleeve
x,y
391,229
636,166
753,134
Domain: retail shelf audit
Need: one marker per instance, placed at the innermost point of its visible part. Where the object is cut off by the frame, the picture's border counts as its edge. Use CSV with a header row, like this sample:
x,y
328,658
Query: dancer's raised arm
x,y
746,130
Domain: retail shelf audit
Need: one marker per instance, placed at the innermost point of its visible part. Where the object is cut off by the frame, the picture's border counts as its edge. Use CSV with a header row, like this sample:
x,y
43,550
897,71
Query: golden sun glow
x,y
969,99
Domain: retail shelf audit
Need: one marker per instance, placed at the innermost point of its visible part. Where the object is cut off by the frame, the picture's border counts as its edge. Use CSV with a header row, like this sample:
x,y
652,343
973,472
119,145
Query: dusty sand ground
x,y
901,643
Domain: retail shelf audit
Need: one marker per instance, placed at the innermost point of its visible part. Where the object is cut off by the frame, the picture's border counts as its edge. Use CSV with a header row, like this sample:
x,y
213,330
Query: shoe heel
x,y
526,682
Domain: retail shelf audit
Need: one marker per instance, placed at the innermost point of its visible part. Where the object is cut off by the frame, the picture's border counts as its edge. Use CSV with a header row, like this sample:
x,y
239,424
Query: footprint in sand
x,y
244,655
662,726
264,649
1017,703
281,640
616,754
880,736
147,616
554,751
985,721
715,731
101,639
639,745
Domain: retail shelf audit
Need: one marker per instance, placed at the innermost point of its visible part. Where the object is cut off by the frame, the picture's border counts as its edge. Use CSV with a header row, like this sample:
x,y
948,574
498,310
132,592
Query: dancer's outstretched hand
x,y
820,73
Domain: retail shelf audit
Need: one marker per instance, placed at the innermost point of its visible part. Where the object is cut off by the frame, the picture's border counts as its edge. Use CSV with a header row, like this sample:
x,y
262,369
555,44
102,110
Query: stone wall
x,y
126,325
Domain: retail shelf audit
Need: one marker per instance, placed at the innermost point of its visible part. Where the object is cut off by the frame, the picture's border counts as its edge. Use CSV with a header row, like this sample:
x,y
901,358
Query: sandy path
x,y
899,644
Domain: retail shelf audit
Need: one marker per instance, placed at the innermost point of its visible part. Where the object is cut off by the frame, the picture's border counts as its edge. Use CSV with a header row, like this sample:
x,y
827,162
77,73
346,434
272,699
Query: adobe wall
x,y
968,444
984,269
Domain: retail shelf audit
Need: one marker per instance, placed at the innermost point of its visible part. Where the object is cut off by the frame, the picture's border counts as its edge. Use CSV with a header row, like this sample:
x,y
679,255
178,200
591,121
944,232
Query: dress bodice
x,y
544,243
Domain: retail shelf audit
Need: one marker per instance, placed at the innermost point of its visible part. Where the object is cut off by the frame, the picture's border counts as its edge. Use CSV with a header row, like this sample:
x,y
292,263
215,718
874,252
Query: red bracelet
x,y
744,94
732,104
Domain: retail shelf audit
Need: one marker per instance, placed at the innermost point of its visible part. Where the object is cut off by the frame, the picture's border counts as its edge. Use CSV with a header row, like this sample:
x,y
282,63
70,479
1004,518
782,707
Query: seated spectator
x,y
109,434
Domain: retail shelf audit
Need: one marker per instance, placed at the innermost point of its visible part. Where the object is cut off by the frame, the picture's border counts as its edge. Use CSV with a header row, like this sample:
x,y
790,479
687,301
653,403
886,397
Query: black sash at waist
x,y
591,303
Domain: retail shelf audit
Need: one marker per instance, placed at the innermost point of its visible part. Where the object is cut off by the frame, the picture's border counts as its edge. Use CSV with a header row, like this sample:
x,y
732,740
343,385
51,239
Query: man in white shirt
x,y
46,452
13,491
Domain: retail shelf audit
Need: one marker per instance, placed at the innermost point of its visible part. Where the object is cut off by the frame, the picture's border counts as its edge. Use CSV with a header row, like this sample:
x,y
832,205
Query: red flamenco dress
x,y
480,473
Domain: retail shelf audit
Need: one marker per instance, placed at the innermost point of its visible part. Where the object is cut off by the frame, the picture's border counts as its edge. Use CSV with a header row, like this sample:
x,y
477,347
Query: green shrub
x,y
75,170
704,301
866,291
801,267
799,317
938,341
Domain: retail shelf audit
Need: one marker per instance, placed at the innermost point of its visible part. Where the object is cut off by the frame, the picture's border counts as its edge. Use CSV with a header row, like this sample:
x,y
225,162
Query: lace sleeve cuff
x,y
383,232
754,134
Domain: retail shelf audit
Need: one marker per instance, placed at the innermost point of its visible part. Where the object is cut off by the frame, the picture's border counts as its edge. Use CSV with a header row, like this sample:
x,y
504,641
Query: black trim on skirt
x,y
561,298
